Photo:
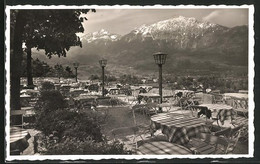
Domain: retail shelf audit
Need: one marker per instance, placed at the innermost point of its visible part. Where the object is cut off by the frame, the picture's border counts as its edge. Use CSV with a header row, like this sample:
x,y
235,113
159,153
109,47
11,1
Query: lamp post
x,y
76,65
58,69
160,59
45,69
103,63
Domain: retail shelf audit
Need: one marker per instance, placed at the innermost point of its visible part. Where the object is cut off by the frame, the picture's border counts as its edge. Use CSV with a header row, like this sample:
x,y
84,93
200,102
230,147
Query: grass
x,y
122,117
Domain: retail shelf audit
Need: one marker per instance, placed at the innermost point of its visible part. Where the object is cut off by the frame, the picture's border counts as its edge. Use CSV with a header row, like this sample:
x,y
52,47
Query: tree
x,y
16,57
51,30
59,69
94,77
69,72
45,32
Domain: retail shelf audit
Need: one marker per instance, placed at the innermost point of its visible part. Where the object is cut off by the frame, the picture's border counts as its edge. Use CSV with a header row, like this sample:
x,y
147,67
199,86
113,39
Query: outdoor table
x,y
236,95
168,106
223,111
149,97
163,148
57,86
25,99
18,139
31,92
140,107
28,110
85,101
177,127
165,105
74,85
76,92
185,93
65,90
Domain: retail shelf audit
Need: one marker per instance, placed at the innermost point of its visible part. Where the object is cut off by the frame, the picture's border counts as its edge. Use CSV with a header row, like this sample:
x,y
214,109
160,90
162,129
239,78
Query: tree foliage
x,y
213,82
73,146
42,69
51,30
128,79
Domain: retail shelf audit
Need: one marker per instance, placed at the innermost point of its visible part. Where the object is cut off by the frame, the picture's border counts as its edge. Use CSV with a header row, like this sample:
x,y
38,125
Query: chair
x,y
114,101
239,121
235,134
33,101
123,131
151,108
213,144
197,100
170,107
206,144
226,132
140,108
136,130
143,129
187,103
217,98
134,98
167,103
240,106
18,113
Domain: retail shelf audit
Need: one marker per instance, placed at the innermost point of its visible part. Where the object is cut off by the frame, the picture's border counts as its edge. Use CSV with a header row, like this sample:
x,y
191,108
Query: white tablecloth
x,y
236,95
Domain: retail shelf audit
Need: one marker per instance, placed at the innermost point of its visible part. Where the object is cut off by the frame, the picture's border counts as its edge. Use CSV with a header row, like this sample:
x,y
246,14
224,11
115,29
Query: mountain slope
x,y
197,45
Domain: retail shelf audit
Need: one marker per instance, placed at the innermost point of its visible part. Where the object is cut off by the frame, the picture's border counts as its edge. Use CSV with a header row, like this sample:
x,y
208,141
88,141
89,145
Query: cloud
x,y
213,15
122,21
228,17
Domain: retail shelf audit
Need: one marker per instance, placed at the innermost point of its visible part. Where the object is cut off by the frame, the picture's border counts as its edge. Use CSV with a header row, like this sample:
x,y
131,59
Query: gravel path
x,y
30,149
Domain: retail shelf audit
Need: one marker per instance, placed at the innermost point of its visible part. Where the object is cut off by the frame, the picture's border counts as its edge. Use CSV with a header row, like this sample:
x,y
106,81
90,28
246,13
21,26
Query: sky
x,y
123,21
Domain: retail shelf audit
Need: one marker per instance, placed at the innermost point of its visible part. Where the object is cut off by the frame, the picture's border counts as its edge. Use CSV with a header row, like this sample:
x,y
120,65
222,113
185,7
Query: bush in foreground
x,y
69,132
50,100
73,146
47,85
69,124
52,115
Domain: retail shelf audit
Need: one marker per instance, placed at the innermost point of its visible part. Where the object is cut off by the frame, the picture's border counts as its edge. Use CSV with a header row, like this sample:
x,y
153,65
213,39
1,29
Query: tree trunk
x,y
15,66
29,67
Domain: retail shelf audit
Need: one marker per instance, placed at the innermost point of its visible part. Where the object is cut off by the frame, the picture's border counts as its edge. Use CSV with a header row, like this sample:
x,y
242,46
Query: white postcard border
x,y
251,74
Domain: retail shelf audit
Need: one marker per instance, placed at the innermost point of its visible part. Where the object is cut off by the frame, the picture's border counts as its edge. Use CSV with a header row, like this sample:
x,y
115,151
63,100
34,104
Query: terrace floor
x,y
122,116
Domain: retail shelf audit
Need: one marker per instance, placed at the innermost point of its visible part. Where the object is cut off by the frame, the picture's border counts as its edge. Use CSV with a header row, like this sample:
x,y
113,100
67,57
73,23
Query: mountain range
x,y
190,45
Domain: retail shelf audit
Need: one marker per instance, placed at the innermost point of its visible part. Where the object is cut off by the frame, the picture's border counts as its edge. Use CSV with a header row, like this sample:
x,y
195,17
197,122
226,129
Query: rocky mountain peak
x,y
175,24
102,34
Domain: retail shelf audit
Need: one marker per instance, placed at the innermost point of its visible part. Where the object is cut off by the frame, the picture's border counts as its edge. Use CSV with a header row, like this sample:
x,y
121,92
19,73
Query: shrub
x,y
47,86
74,132
110,101
69,124
52,115
50,100
73,146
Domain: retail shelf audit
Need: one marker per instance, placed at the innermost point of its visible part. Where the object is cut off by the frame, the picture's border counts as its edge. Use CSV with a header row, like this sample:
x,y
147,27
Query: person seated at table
x,y
139,98
142,90
179,94
205,111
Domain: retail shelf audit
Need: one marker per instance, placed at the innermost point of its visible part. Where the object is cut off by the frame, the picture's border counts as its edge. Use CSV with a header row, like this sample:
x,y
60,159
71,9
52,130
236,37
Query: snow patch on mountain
x,y
100,35
173,25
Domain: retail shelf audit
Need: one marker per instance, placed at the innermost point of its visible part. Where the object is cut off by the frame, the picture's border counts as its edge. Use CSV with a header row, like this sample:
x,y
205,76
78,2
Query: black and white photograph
x,y
132,82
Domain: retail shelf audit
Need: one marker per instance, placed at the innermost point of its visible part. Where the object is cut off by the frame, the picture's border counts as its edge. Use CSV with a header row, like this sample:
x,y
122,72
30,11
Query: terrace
x,y
135,120
199,107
